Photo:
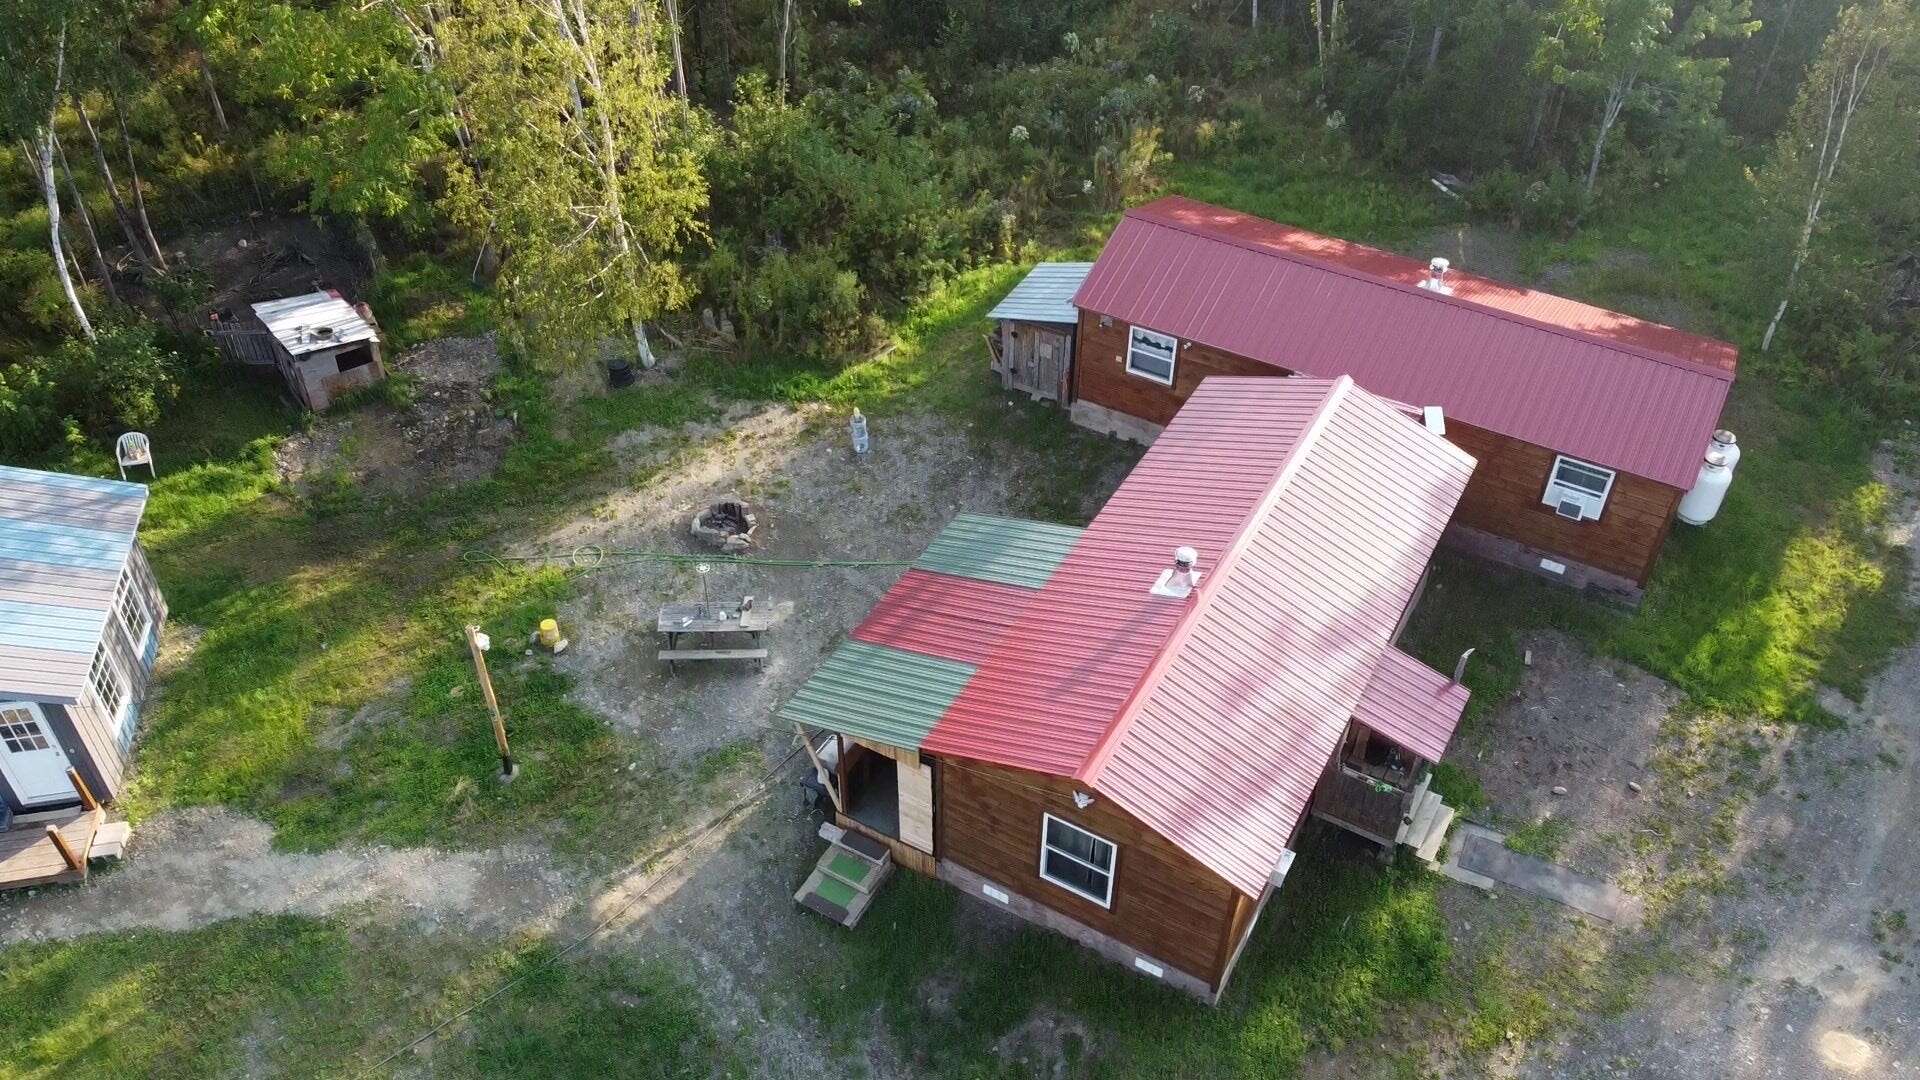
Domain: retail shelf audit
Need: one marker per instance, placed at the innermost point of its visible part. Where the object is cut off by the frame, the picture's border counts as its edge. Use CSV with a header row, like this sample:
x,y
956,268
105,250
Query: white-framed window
x,y
109,686
1577,489
135,618
1076,860
1150,354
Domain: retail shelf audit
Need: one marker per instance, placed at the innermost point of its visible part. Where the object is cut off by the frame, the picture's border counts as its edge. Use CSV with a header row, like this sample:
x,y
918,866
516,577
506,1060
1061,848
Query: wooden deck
x,y
29,856
1354,803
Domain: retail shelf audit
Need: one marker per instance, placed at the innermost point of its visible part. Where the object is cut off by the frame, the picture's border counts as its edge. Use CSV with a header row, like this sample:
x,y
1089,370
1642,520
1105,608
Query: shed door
x,y
1037,358
34,764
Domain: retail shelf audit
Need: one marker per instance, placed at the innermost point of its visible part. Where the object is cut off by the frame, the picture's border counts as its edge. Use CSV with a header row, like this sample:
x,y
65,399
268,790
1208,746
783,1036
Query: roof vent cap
x,y
1437,268
1179,580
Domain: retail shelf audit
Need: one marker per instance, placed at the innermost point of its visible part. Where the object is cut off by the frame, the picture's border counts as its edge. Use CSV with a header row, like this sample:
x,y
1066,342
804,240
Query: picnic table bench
x,y
678,620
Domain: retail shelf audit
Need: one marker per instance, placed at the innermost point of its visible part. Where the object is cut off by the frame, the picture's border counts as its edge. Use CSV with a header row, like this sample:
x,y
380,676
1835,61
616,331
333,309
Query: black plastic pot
x,y
619,373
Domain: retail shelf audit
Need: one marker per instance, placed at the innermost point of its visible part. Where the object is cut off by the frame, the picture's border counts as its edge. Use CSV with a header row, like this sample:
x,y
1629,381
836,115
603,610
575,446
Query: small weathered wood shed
x,y
1032,342
320,344
81,627
1055,721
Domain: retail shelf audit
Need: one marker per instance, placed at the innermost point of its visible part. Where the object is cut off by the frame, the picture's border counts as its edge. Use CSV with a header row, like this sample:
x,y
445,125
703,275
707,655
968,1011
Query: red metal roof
x,y
953,618
1595,384
1315,507
1412,704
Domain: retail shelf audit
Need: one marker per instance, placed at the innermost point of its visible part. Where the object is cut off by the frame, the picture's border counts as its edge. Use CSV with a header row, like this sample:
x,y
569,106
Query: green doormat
x,y
850,867
839,892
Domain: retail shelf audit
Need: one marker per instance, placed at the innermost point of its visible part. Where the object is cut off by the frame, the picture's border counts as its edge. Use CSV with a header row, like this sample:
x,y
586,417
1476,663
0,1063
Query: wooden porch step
x,y
845,866
111,841
829,892
1423,818
1429,847
858,843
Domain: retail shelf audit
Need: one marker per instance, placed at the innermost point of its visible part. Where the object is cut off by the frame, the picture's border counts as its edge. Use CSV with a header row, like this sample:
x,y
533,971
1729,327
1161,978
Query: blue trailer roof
x,y
64,541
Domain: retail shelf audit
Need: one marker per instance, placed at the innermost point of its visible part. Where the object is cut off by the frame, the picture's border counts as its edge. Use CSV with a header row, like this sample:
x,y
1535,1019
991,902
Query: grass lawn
x,y
291,996
311,610
1345,942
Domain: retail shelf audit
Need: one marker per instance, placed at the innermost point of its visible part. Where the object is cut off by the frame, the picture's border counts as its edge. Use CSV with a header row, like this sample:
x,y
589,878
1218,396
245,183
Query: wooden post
x,y
66,851
819,768
86,796
479,651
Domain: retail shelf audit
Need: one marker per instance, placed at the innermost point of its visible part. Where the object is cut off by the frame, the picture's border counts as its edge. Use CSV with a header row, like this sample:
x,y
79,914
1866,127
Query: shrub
x,y
117,382
833,206
1551,203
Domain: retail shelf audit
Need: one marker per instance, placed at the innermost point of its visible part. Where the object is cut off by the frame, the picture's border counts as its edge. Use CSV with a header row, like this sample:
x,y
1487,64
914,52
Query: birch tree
x,y
1640,54
1825,123
33,50
589,177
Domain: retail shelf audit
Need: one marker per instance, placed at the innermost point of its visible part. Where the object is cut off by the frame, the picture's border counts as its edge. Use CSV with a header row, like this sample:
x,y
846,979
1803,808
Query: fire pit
x,y
727,525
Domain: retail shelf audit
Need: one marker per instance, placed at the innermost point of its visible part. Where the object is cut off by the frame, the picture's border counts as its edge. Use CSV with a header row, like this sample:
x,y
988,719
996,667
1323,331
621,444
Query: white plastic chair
x,y
134,449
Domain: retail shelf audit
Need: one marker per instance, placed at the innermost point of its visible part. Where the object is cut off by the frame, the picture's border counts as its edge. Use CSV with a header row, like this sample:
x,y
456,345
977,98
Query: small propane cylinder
x,y
1728,446
1702,501
858,426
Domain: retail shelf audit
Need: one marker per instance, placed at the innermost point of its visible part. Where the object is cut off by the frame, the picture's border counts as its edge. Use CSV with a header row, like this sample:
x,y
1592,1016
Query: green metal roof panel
x,y
1004,550
872,692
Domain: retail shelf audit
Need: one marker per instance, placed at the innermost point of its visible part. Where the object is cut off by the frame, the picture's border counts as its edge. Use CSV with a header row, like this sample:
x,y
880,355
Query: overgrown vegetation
x,y
805,176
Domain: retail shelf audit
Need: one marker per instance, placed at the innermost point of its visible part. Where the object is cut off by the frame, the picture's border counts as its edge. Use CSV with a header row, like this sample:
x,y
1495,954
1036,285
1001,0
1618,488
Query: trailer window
x,y
1076,860
134,616
1150,355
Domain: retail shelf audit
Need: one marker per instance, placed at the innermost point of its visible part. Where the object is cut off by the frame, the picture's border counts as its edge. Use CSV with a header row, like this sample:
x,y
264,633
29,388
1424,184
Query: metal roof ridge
x,y
1694,366
1204,593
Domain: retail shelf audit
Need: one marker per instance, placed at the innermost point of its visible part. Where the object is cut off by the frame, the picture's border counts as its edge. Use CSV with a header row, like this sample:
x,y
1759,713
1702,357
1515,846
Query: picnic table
x,y
676,621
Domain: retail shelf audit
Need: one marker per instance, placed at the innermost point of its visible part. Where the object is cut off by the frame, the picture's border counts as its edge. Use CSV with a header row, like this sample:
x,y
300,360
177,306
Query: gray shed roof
x,y
312,322
64,541
1045,295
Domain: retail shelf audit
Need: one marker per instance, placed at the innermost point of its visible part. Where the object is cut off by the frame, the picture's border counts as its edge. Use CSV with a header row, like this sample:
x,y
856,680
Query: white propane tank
x,y
1728,446
858,428
1700,503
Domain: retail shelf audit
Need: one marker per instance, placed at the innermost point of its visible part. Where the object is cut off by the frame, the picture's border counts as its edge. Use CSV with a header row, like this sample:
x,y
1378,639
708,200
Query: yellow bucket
x,y
549,632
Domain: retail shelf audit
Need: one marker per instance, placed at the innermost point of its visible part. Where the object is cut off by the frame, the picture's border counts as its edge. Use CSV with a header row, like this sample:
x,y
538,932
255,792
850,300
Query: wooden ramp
x,y
54,847
849,873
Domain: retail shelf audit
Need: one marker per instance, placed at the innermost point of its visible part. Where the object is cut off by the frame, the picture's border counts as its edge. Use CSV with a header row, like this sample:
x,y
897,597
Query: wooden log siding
x,y
1165,904
1100,371
1503,498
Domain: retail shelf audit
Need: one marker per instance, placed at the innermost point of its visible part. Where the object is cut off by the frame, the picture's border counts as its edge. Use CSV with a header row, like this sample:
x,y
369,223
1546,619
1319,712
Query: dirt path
x,y
1817,943
190,868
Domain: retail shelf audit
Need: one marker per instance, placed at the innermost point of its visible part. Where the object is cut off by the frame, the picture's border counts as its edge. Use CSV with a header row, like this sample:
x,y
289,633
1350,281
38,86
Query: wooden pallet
x,y
849,873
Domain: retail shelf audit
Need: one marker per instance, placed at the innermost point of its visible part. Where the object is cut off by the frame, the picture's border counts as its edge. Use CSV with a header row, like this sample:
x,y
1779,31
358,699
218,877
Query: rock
x,y
1559,789
1634,786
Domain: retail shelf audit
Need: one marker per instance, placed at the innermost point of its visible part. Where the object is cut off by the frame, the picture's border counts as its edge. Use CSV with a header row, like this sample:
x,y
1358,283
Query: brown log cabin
x,y
1120,742
1588,425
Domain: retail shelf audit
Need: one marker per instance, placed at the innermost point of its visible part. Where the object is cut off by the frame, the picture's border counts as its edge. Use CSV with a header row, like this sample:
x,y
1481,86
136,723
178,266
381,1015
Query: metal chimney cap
x,y
1438,266
1716,459
1184,557
1724,437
